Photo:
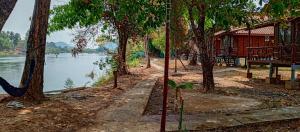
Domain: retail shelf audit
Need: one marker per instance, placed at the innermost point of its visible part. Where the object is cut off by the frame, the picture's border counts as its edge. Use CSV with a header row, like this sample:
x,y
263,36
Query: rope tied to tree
x,y
20,91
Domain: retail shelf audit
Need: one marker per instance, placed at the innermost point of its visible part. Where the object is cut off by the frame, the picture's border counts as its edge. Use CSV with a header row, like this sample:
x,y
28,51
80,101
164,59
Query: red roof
x,y
265,31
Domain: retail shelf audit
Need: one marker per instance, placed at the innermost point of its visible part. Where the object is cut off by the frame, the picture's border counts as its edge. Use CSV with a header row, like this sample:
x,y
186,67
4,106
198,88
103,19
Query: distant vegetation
x,y
11,44
9,40
61,47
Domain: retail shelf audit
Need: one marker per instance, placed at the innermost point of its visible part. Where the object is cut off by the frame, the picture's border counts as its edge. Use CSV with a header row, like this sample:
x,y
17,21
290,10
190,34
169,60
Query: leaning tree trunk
x,y
194,59
206,61
123,39
6,7
36,50
148,65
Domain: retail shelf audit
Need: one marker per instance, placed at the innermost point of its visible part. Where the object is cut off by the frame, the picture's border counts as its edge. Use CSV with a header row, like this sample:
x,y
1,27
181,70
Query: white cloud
x,y
19,21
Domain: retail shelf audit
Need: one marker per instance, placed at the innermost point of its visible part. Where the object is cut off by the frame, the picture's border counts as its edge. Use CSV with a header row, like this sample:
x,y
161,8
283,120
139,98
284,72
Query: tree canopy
x,y
128,19
281,9
209,16
137,14
9,40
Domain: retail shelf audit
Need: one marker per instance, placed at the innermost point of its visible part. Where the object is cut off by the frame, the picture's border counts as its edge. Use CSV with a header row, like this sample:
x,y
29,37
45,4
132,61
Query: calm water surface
x,y
57,70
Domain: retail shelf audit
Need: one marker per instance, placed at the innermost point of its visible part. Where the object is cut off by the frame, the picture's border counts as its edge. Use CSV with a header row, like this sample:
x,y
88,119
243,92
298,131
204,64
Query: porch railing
x,y
226,52
283,53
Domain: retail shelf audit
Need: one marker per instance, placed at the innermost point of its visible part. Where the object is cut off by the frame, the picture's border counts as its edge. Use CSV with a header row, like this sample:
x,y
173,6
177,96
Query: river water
x,y
57,70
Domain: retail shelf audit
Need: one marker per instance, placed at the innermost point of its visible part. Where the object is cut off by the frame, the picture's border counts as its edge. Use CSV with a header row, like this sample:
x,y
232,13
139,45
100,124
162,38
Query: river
x,y
57,70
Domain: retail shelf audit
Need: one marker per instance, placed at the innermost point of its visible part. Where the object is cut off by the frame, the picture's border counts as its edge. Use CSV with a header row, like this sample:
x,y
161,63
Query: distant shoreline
x,y
23,55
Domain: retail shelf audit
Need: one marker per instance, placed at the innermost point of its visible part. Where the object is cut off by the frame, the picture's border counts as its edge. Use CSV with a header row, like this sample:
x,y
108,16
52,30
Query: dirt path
x,y
156,66
126,112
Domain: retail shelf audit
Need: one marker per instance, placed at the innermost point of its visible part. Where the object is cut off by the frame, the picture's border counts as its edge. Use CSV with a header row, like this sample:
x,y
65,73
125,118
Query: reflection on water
x,y
57,70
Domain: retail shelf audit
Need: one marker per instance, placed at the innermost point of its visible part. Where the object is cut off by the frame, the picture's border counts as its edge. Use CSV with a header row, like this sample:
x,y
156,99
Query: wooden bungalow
x,y
230,46
285,52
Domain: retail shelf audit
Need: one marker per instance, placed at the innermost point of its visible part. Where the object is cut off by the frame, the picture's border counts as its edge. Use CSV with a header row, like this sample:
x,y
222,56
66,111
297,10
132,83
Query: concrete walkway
x,y
126,115
210,120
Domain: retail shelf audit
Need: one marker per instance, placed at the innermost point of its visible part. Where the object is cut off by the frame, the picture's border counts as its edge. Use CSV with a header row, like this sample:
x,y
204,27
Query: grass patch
x,y
7,54
104,79
134,62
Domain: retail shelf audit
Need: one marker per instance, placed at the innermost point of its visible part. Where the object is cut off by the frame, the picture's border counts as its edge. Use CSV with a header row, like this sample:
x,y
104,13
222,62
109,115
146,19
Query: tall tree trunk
x,y
148,65
206,60
6,7
123,39
194,59
36,50
208,76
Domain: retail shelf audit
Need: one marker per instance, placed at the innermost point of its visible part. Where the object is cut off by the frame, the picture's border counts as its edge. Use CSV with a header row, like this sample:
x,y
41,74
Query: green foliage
x,y
107,62
159,39
141,15
69,83
281,9
222,15
127,18
7,53
51,48
136,53
104,79
134,62
185,85
9,40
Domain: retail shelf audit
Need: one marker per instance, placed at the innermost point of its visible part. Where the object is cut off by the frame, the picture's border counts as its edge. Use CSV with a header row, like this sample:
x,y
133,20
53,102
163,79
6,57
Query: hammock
x,y
15,91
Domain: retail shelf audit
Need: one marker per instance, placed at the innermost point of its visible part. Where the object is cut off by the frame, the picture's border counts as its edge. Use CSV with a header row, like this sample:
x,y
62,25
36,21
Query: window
x,y
267,38
284,34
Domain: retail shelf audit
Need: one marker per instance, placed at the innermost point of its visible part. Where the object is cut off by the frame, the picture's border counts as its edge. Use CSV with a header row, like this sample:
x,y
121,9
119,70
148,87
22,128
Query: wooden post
x,y
249,74
293,73
115,73
276,71
271,71
166,70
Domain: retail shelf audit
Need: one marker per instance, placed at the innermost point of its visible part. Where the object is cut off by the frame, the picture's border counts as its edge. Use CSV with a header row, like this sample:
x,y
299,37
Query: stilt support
x,y
249,74
293,73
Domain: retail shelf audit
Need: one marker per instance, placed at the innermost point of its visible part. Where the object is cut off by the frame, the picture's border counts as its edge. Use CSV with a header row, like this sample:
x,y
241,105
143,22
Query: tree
x,y
281,9
6,7
5,42
36,50
126,18
16,39
179,28
208,16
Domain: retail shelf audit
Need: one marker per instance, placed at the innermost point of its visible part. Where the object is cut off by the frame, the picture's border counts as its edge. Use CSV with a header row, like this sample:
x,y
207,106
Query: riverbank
x,y
57,70
136,104
9,54
70,110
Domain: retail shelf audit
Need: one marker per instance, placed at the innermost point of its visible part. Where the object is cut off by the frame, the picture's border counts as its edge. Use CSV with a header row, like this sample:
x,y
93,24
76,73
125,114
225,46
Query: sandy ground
x,y
68,111
75,110
233,90
234,94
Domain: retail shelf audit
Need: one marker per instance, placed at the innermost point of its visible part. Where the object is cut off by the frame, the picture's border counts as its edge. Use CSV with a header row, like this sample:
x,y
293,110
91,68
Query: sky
x,y
19,21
